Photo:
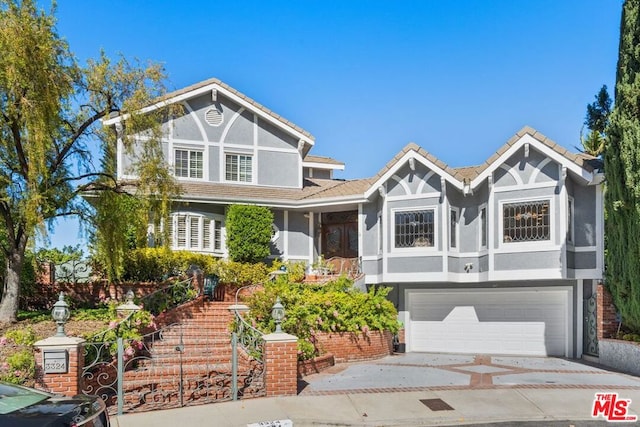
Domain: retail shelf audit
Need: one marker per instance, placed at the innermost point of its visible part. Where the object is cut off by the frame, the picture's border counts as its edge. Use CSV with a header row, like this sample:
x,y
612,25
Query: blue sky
x,y
459,78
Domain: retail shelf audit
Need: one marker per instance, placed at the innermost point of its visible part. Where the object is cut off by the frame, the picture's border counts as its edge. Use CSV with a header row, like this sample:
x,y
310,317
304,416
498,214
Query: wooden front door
x,y
340,234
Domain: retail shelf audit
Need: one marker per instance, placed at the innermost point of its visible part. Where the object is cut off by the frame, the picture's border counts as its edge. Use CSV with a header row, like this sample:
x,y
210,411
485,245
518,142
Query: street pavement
x,y
423,389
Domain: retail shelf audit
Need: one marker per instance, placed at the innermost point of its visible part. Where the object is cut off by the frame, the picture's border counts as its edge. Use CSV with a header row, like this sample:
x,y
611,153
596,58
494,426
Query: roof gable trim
x,y
406,159
215,86
525,140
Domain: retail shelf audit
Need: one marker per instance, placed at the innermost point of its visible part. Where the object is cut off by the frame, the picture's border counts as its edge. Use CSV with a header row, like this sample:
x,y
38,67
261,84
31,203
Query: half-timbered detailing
x,y
508,242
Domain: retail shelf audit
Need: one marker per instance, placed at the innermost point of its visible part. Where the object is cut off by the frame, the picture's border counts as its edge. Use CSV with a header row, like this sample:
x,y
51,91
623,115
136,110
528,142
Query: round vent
x,y
213,116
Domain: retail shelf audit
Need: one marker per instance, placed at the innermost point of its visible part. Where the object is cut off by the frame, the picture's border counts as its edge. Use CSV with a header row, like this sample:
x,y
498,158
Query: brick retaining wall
x,y
351,346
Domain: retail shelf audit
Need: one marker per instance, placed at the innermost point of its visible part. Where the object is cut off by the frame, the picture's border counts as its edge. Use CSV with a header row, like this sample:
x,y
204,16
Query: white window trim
x,y
200,217
571,221
457,236
189,149
527,245
415,249
238,153
483,247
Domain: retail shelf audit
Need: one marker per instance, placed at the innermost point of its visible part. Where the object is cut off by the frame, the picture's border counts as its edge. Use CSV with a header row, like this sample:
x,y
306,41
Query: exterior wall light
x,y
277,312
60,314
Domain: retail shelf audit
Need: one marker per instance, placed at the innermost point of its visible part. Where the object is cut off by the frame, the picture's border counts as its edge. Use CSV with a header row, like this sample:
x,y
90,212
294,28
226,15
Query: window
x,y
453,228
188,163
570,221
238,167
414,228
526,221
379,234
483,227
196,232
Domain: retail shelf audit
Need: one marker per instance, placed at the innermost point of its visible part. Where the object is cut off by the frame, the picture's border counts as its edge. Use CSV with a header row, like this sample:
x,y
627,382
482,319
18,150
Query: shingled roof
x,y
321,159
171,96
469,173
312,189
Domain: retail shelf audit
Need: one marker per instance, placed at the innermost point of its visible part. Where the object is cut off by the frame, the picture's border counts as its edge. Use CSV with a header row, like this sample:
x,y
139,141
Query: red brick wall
x,y
281,368
607,324
315,365
68,383
349,346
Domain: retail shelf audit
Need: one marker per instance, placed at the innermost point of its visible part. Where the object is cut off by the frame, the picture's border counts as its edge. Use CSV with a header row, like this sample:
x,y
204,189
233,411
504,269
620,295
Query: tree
x,y
597,120
249,231
622,172
50,113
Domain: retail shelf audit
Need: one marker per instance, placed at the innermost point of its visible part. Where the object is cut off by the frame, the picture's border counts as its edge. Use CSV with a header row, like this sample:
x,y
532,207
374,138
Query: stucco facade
x,y
528,221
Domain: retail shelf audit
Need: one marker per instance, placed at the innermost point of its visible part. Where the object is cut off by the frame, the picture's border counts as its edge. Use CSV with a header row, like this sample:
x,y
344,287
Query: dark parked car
x,y
25,407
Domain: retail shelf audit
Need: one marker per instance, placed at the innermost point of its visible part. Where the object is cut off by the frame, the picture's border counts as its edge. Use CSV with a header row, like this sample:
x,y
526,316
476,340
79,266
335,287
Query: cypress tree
x,y
622,171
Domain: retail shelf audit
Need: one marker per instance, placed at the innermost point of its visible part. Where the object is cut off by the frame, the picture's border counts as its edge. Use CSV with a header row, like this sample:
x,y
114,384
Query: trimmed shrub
x,y
249,230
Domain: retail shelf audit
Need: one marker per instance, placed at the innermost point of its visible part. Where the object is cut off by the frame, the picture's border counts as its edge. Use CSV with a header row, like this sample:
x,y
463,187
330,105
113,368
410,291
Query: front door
x,y
340,234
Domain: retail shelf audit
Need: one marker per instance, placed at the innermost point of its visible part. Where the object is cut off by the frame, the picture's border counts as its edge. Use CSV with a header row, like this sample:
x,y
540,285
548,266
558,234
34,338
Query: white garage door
x,y
523,322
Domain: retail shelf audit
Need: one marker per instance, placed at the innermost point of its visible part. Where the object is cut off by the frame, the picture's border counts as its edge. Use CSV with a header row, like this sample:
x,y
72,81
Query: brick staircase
x,y
201,329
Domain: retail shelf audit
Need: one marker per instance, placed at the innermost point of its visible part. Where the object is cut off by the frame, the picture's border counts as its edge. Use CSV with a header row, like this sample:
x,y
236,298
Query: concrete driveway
x,y
429,371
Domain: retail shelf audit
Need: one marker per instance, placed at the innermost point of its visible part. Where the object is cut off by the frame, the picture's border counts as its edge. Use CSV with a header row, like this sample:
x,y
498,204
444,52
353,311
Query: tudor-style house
x,y
496,258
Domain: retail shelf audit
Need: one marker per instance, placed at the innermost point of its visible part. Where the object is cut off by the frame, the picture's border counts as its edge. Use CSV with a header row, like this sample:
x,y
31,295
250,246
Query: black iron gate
x,y
164,369
590,327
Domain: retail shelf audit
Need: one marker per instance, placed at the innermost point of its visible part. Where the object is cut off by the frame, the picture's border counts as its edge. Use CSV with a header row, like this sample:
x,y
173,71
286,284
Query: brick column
x,y
281,364
607,316
67,383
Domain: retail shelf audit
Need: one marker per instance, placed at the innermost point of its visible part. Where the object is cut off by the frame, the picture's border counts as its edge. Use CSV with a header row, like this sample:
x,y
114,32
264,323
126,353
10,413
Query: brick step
x,y
191,324
192,351
153,373
196,330
187,360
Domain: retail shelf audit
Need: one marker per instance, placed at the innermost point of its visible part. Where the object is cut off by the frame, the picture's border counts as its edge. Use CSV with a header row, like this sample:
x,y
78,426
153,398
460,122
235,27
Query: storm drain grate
x,y
436,404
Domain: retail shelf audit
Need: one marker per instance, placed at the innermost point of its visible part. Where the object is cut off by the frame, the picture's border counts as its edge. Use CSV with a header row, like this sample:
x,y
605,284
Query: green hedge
x,y
333,307
156,264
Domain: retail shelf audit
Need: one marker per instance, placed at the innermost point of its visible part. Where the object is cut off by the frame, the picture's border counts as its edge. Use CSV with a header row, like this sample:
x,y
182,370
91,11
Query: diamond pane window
x,y
414,229
526,222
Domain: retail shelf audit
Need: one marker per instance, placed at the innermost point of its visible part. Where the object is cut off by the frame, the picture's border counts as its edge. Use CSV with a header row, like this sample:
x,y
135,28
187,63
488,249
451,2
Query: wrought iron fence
x,y
248,337
170,296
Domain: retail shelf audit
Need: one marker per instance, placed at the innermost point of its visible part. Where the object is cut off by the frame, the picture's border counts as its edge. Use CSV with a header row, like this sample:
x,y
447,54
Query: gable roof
x,y
581,164
322,162
205,86
413,150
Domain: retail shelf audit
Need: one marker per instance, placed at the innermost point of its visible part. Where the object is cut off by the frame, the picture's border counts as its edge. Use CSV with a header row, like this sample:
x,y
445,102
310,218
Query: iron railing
x,y
248,337
170,296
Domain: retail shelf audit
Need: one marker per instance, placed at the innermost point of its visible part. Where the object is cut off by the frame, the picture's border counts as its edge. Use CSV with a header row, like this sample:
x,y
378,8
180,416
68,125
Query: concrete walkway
x,y
419,389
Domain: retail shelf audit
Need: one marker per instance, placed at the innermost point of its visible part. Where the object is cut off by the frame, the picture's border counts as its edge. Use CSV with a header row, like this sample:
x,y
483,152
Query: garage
x,y
516,321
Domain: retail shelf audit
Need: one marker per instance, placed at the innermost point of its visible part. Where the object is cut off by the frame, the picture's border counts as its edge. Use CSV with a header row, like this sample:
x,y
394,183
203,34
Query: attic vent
x,y
213,116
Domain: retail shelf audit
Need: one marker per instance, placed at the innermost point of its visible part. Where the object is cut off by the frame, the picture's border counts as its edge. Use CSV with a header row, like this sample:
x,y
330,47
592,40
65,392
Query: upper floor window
x,y
195,232
453,227
570,221
526,221
483,227
238,167
188,163
415,228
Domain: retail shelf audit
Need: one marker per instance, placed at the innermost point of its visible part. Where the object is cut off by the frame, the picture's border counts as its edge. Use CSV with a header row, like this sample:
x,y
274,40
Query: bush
x,y
156,264
19,367
20,364
26,337
249,232
333,307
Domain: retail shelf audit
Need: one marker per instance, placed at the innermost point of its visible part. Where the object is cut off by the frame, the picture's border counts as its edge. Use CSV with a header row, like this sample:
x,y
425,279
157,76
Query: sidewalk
x,y
391,409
